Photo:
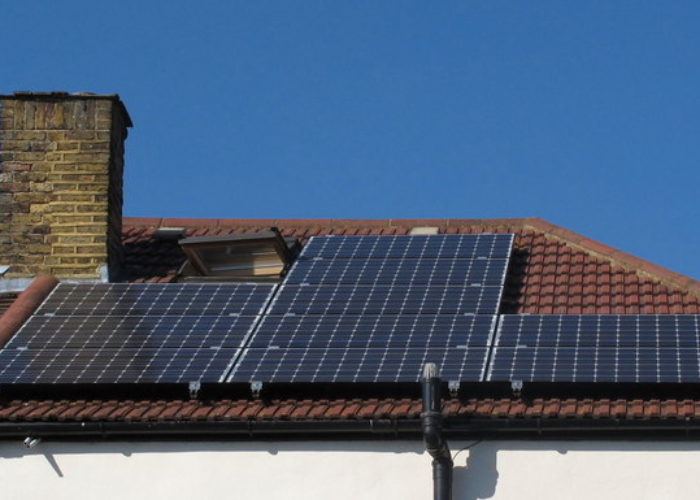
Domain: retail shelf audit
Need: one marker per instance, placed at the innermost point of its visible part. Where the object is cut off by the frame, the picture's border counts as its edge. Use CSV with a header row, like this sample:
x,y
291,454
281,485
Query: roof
x,y
553,271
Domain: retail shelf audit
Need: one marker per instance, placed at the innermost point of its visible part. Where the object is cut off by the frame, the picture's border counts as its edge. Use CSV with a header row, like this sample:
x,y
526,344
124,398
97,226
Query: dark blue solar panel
x,y
386,299
116,332
155,299
671,330
396,331
357,365
71,366
400,272
129,333
595,364
450,246
375,308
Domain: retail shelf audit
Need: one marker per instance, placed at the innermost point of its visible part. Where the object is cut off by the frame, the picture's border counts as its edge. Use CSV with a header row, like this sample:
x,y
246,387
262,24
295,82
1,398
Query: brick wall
x,y
61,166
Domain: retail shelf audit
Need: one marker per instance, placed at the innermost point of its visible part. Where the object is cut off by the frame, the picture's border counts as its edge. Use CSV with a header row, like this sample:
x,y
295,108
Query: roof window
x,y
264,256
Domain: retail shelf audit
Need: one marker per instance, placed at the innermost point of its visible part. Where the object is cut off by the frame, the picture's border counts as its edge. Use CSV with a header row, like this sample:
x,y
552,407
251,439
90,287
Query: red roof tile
x,y
236,410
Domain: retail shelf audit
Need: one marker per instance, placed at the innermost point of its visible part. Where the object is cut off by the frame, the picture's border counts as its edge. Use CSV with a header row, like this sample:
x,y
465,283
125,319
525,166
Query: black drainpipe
x,y
431,420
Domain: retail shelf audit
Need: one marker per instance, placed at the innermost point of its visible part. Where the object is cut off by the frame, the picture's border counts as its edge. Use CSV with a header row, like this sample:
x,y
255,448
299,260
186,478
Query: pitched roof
x,y
553,271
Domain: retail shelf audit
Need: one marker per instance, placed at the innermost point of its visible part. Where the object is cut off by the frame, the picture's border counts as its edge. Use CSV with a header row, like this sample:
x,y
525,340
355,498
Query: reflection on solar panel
x,y
439,246
374,331
374,308
357,365
604,348
134,333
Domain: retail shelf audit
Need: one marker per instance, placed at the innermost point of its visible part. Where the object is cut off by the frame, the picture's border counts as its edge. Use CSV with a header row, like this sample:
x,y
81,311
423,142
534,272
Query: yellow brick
x,y
39,208
91,157
76,197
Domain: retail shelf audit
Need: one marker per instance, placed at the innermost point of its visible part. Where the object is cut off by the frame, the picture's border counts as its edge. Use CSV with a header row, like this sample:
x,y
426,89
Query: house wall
x,y
348,470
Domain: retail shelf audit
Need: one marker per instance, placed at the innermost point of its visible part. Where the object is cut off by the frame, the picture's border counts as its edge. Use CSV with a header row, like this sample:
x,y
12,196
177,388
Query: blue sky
x,y
586,114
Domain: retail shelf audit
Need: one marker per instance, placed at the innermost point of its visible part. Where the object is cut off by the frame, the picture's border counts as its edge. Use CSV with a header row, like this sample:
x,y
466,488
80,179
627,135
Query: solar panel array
x,y
129,333
376,308
352,309
597,348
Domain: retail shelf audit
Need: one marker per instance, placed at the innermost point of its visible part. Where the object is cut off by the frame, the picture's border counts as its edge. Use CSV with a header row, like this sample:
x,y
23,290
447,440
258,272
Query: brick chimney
x,y
61,168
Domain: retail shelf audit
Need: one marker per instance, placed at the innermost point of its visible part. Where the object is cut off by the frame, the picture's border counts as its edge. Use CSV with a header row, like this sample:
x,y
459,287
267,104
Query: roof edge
x,y
24,306
623,259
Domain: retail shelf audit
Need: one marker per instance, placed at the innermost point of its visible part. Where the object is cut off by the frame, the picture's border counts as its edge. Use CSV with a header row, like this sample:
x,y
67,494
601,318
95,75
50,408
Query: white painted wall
x,y
384,470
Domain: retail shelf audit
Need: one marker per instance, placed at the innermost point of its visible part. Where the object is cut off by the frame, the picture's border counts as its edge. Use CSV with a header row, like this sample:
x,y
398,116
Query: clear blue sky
x,y
586,114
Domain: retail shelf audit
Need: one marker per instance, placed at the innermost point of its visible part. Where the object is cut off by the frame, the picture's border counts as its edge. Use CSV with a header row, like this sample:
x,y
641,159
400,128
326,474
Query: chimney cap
x,y
60,95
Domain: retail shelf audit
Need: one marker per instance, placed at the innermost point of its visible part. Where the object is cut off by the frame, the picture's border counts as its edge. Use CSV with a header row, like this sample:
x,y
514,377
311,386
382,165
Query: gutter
x,y
409,428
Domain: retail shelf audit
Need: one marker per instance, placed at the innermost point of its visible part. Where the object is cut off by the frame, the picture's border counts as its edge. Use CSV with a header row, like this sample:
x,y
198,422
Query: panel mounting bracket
x,y
194,389
453,386
516,386
255,388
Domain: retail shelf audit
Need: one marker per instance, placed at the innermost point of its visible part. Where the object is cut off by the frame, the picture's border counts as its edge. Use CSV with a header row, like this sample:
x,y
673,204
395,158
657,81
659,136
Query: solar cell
x,y
386,299
398,331
595,364
357,365
451,246
399,271
669,330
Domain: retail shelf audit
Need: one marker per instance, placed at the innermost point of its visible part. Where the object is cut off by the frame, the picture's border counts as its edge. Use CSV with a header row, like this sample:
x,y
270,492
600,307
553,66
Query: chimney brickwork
x,y
61,168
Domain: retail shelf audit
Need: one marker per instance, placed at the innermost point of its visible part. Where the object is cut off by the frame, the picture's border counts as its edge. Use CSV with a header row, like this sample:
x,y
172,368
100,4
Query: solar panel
x,y
597,348
595,364
126,365
450,246
375,308
386,299
128,333
156,299
399,271
357,365
607,330
115,332
397,331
